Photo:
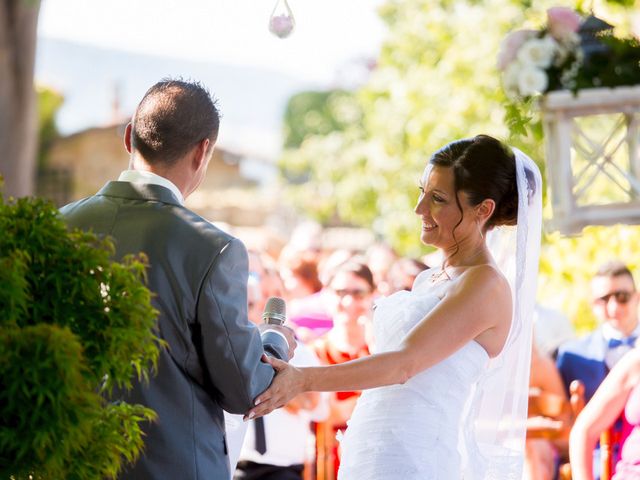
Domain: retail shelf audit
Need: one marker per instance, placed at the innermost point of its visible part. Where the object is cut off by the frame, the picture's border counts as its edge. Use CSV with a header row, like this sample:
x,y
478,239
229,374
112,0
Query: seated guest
x,y
380,257
618,393
615,304
402,274
551,328
264,272
299,273
349,297
548,409
589,359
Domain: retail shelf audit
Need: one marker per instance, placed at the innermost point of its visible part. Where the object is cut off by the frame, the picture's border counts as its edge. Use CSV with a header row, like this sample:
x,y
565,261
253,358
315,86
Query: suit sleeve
x,y
275,345
231,345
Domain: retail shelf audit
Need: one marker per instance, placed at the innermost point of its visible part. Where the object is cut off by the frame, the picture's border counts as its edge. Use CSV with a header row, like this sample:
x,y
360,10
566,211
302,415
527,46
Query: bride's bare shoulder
x,y
484,277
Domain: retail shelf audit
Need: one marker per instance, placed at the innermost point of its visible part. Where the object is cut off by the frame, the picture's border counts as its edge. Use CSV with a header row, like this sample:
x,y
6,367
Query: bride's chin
x,y
424,238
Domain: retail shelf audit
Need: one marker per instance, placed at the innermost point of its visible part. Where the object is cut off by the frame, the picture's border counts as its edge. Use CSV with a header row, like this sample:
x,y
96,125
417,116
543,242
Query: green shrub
x,y
73,324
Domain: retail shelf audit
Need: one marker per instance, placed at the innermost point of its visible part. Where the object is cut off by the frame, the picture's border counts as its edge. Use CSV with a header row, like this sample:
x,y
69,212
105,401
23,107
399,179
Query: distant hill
x,y
251,100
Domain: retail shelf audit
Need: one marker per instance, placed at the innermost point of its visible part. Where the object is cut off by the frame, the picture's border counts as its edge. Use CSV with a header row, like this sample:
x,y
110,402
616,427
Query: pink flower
x,y
562,21
510,46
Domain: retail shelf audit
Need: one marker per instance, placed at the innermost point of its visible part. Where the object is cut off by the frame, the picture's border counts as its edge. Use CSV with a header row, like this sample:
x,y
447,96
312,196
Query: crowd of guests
x,y
330,299
594,379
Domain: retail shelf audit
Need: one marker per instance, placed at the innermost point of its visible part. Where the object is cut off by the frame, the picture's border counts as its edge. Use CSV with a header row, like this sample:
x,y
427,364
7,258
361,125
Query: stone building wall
x,y
88,159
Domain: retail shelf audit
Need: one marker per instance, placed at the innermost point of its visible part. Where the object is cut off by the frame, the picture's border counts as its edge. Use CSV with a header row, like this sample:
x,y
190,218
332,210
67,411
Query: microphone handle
x,y
274,321
274,343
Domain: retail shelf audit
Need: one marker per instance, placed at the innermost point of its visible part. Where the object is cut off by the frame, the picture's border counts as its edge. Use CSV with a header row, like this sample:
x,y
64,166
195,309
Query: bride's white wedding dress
x,y
422,429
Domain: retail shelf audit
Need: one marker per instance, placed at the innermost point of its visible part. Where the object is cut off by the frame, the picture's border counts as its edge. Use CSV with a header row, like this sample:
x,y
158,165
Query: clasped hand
x,y
288,382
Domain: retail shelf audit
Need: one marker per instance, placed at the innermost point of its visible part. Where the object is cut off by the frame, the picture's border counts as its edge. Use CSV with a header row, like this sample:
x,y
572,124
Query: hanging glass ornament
x,y
281,23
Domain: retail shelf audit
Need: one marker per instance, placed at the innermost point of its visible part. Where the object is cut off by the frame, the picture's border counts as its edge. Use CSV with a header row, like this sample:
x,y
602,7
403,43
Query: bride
x,y
447,384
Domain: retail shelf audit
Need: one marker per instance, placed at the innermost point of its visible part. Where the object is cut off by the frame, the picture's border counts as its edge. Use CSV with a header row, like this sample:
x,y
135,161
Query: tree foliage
x,y
49,102
318,113
436,80
73,325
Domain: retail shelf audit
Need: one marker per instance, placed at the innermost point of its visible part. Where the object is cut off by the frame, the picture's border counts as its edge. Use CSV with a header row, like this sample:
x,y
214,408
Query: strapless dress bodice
x,y
420,429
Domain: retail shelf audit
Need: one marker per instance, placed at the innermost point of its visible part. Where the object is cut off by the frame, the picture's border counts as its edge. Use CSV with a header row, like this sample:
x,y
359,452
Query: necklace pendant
x,y
440,276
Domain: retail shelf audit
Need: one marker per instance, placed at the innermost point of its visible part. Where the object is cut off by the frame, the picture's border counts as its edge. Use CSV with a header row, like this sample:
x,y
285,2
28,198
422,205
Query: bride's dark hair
x,y
483,168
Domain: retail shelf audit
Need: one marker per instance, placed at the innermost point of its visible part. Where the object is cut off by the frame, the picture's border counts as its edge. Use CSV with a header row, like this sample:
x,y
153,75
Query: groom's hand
x,y
285,332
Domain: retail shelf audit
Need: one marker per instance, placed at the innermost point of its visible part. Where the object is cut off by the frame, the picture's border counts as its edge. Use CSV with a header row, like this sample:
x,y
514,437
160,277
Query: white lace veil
x,y
502,395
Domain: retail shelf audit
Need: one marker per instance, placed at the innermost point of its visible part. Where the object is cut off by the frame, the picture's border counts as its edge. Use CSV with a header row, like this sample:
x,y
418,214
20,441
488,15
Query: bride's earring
x,y
480,229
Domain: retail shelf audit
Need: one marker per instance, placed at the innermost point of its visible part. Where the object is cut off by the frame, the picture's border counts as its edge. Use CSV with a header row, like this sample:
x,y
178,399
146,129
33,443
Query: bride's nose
x,y
421,206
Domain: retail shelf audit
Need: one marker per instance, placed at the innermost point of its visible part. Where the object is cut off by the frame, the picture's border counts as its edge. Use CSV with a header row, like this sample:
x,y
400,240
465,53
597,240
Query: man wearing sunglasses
x,y
615,304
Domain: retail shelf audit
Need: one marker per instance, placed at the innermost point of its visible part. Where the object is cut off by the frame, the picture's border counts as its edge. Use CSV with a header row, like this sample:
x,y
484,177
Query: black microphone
x,y
275,311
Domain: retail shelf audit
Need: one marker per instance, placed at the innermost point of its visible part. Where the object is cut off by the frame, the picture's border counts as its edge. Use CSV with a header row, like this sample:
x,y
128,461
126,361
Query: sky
x,y
327,32
88,46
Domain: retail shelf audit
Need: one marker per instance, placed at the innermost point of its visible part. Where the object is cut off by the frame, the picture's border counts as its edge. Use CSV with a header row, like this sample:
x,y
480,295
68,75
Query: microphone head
x,y
275,311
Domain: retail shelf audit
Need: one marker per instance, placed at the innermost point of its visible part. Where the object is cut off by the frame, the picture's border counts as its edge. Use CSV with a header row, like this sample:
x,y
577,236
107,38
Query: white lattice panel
x,y
592,145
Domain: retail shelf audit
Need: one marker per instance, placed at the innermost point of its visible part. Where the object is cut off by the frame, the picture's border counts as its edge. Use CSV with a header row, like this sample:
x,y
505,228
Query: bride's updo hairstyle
x,y
483,168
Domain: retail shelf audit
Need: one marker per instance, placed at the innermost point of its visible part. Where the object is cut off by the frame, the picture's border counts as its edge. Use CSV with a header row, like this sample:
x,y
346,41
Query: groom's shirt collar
x,y
141,176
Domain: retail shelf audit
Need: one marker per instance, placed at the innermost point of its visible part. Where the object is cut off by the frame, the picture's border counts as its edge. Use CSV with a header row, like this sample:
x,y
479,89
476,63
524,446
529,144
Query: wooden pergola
x,y
592,143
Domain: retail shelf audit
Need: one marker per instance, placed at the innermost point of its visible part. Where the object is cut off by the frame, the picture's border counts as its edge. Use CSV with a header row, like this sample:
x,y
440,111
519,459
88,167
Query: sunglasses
x,y
353,292
620,296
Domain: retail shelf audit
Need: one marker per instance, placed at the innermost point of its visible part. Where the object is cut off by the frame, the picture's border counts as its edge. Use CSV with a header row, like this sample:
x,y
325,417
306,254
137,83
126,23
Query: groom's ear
x,y
127,137
201,154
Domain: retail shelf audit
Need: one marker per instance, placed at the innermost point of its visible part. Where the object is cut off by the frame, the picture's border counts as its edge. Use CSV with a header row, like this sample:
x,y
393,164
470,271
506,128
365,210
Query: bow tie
x,y
617,342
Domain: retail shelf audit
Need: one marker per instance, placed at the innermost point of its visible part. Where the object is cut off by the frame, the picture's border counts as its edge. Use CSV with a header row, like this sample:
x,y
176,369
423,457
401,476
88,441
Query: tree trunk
x,y
18,119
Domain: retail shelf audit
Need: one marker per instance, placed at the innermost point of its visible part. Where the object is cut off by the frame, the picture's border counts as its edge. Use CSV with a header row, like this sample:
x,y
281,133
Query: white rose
x,y
532,80
538,52
569,40
510,80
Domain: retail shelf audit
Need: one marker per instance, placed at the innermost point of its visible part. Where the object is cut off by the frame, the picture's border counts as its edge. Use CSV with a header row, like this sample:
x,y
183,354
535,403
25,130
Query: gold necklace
x,y
440,276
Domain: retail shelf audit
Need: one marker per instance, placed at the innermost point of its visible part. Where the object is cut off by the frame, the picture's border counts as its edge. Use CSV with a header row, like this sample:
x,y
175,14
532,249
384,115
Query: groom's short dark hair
x,y
172,117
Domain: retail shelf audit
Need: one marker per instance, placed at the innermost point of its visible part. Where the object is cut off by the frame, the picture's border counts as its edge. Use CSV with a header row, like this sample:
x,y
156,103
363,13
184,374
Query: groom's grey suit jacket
x,y
199,276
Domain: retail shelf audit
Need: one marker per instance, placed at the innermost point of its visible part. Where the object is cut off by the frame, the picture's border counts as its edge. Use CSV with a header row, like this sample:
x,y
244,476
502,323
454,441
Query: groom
x,y
199,276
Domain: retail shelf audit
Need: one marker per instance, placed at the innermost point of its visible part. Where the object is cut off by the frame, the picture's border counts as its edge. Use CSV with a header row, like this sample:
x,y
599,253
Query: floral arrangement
x,y
526,55
569,53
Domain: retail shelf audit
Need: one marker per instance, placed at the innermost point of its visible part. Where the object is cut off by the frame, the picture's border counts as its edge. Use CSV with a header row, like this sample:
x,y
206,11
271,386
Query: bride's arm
x,y
478,302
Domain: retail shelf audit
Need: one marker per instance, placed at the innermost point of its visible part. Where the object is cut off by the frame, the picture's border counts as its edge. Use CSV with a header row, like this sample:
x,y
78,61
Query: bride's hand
x,y
287,383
